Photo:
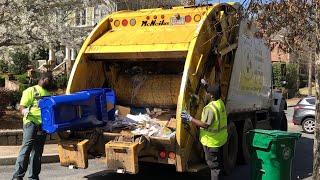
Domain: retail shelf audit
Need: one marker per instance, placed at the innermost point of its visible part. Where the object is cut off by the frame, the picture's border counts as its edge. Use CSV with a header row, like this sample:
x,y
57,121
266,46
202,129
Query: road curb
x,y
12,137
11,160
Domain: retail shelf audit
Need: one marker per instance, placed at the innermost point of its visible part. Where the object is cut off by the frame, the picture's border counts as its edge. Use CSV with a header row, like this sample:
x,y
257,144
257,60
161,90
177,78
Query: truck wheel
x,y
230,150
284,122
243,154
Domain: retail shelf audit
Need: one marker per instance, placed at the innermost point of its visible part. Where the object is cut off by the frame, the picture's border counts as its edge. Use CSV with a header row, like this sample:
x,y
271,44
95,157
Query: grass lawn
x,y
304,91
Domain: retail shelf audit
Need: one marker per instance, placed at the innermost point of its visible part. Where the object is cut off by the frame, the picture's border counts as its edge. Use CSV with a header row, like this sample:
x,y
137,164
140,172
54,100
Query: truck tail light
x,y
162,16
188,18
124,22
297,107
162,154
148,17
110,19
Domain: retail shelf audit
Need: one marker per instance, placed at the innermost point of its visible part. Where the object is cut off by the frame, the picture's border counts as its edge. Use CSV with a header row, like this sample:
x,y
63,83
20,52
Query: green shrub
x,y
5,101
20,60
61,81
3,66
14,97
23,87
4,76
23,79
34,82
292,76
276,74
2,82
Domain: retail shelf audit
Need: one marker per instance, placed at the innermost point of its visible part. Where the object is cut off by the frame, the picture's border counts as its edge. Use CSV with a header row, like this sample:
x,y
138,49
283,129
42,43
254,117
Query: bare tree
x,y
301,20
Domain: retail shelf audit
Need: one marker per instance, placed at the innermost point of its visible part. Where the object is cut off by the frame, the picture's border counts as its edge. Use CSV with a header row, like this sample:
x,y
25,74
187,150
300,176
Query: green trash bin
x,y
271,153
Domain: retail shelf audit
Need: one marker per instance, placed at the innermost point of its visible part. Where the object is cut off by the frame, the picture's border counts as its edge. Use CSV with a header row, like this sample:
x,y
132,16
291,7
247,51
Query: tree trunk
x,y
298,75
316,147
310,76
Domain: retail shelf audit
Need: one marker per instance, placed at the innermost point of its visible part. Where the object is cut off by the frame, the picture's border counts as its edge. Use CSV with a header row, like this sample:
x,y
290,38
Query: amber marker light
x,y
172,155
197,18
117,23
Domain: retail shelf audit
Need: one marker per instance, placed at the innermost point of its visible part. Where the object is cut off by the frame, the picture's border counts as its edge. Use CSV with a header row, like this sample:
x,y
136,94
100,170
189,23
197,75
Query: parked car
x,y
304,114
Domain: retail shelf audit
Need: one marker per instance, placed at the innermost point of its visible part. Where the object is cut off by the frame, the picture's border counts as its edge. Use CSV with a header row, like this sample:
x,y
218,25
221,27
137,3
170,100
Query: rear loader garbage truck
x,y
152,62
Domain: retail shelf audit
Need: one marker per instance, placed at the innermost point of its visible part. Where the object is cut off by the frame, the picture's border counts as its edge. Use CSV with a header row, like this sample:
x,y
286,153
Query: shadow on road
x,y
303,160
149,172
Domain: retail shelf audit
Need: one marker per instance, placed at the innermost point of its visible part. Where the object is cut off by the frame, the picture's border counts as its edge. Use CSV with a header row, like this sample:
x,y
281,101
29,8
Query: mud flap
x,y
74,152
122,157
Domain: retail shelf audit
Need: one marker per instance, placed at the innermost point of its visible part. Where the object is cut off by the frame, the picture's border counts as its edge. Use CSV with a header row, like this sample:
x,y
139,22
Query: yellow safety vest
x,y
35,93
216,135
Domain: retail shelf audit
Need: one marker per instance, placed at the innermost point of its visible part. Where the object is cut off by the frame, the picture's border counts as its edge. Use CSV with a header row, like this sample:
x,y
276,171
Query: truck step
x,y
73,153
123,156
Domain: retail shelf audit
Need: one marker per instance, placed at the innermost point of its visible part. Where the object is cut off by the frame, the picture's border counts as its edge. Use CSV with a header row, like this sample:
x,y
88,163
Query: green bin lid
x,y
262,138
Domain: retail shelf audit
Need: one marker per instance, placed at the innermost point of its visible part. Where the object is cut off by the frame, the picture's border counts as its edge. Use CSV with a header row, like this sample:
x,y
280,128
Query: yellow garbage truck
x,y
154,59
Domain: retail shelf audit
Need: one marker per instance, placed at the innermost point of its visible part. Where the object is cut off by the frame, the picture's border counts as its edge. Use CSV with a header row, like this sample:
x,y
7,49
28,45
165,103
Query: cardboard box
x,y
122,111
172,123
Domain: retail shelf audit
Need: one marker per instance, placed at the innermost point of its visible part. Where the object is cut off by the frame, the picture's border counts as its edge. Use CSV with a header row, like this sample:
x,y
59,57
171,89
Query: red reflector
x,y
162,16
188,18
154,17
124,22
203,13
148,17
162,154
297,107
110,19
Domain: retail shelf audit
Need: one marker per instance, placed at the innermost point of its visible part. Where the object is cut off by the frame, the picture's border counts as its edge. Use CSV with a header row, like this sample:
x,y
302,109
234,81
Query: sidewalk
x,y
8,154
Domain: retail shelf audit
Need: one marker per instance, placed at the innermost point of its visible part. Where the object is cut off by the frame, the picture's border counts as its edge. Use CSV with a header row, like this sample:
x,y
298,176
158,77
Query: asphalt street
x,y
301,169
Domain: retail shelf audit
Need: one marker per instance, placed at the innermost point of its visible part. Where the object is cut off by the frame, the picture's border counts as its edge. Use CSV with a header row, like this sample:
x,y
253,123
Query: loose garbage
x,y
145,123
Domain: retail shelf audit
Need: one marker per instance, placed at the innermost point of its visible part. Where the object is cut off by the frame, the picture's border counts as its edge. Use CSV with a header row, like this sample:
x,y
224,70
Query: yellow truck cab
x,y
155,58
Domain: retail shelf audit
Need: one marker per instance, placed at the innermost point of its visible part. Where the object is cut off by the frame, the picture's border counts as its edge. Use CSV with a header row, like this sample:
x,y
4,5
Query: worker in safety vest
x,y
213,129
33,136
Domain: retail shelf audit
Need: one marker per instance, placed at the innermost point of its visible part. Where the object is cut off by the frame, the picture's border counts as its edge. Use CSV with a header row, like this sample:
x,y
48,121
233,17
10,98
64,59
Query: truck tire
x,y
284,122
230,150
243,154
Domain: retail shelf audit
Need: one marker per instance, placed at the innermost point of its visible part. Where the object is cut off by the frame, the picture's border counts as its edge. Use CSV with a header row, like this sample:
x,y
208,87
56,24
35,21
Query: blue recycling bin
x,y
85,109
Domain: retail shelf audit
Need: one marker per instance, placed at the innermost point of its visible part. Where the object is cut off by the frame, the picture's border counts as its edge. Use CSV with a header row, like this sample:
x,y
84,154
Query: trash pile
x,y
143,124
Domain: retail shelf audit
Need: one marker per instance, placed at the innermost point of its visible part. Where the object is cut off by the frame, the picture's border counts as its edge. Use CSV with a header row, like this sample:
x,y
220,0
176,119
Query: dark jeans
x,y
213,161
32,146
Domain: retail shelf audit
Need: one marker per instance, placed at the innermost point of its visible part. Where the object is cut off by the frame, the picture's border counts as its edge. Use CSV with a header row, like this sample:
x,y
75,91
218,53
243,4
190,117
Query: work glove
x,y
25,112
203,82
185,116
